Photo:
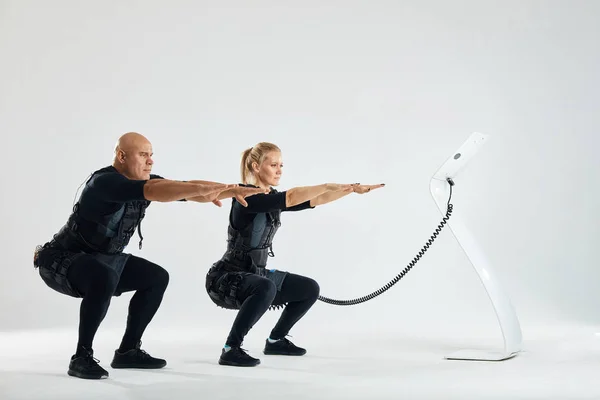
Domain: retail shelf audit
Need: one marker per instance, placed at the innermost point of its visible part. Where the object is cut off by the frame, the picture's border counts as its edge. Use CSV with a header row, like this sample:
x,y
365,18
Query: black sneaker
x,y
86,366
283,347
237,357
136,358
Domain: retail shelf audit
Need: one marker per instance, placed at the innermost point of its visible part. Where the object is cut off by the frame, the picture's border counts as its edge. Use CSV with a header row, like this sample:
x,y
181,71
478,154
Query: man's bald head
x,y
130,141
133,156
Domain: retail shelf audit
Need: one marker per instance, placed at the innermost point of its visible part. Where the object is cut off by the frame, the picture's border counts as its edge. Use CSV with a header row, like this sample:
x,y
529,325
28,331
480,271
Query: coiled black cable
x,y
405,270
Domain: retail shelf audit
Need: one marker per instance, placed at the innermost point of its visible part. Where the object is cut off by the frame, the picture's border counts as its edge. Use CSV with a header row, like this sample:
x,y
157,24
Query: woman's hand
x,y
362,189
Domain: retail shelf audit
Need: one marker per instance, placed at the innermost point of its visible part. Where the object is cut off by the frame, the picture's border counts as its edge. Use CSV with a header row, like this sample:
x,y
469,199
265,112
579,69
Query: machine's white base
x,y
480,355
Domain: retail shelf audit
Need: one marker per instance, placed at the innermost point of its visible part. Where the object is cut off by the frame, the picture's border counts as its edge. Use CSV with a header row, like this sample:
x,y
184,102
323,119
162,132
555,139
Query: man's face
x,y
138,161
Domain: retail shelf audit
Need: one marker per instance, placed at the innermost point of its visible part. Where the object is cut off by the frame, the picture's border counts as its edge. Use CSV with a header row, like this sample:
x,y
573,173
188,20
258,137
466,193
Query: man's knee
x,y
103,282
162,279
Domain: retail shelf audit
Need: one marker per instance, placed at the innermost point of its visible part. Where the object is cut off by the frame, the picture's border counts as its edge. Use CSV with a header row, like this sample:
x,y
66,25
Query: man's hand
x,y
239,192
362,189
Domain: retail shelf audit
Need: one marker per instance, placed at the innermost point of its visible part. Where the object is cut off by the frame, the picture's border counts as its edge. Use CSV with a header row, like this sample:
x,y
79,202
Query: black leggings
x,y
257,293
98,283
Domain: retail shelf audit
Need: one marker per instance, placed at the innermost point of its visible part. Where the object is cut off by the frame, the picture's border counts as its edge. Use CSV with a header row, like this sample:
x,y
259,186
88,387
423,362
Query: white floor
x,y
557,364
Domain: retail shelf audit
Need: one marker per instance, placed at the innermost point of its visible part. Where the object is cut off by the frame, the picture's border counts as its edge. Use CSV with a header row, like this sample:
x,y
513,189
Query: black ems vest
x,y
255,241
108,234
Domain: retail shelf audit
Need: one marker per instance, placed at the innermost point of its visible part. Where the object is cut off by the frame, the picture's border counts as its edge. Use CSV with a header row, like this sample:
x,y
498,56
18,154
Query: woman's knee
x,y
313,289
265,287
299,288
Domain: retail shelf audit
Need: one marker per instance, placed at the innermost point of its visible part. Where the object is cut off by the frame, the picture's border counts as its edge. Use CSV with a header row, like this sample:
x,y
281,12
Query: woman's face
x,y
269,172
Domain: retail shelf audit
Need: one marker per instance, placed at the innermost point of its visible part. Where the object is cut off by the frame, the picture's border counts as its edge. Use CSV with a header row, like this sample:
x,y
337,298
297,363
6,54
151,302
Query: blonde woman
x,y
240,279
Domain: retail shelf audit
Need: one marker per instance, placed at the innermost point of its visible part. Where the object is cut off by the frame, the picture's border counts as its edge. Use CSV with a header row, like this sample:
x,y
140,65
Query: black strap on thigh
x,y
223,283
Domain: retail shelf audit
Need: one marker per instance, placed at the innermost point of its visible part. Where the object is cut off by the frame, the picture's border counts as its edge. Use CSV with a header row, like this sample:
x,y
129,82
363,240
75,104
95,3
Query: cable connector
x,y
450,181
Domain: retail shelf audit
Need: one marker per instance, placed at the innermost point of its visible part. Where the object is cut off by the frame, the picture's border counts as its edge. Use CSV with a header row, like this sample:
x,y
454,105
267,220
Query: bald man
x,y
86,258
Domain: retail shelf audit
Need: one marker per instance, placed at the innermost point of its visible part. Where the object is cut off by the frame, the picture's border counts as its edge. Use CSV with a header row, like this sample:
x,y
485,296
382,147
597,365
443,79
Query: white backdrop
x,y
377,91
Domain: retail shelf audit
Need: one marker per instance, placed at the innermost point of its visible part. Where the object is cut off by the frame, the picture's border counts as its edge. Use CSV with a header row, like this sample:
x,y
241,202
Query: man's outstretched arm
x,y
165,190
115,187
